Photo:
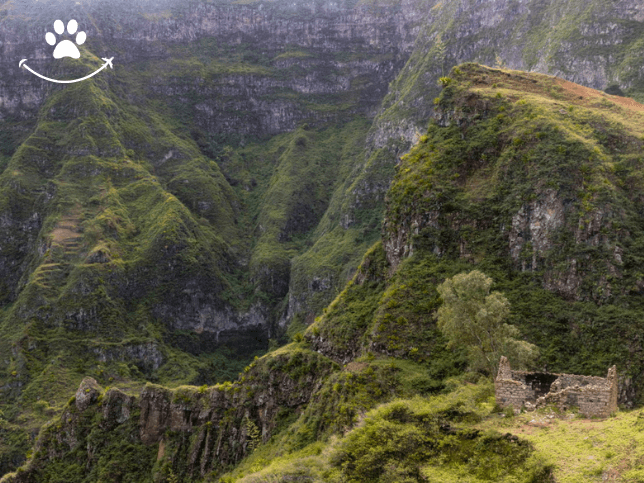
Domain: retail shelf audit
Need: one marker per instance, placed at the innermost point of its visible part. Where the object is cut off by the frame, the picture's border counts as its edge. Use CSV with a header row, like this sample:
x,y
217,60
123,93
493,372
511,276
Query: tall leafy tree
x,y
472,317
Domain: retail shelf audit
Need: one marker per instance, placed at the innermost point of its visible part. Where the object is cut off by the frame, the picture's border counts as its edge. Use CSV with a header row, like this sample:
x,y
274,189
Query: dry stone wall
x,y
593,396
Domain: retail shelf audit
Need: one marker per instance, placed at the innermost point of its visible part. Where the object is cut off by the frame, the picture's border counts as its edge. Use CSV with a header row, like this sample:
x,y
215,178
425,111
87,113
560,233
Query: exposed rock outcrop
x,y
87,393
215,427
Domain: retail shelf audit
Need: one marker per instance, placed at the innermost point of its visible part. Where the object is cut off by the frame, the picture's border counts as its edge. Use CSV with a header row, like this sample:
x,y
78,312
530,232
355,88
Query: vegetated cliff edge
x,y
274,230
541,192
519,176
591,43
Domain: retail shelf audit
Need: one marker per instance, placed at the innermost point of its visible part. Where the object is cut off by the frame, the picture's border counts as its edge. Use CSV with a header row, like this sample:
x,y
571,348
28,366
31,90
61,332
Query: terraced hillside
x,y
208,198
370,388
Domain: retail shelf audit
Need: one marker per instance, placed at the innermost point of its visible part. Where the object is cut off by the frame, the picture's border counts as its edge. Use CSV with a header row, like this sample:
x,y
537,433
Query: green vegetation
x,y
148,210
418,439
475,172
410,440
474,318
580,450
296,198
115,455
120,231
14,444
372,386
517,161
130,225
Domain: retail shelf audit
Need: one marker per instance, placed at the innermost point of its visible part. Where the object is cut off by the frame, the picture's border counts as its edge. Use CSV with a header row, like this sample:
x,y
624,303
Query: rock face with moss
x,y
221,185
204,57
473,193
193,431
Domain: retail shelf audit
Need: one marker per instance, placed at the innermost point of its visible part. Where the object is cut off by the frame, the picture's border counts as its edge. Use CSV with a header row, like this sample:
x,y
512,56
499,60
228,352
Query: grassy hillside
x,y
566,39
519,175
163,221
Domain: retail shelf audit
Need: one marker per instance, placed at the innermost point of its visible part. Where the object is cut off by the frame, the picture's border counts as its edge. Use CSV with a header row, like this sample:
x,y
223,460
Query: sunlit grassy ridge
x,y
500,446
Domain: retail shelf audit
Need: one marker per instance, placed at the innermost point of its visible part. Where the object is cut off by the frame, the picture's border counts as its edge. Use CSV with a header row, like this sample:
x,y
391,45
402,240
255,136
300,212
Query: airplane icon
x,y
109,61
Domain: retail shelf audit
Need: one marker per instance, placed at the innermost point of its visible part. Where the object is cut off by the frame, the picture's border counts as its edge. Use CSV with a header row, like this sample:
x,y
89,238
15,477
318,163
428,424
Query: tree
x,y
472,317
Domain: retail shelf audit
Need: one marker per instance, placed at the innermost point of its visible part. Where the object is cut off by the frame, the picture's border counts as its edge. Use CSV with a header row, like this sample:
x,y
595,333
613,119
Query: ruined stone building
x,y
593,396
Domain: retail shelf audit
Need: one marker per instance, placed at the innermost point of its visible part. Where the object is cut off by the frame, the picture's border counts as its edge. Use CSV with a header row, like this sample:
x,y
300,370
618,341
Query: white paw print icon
x,y
66,48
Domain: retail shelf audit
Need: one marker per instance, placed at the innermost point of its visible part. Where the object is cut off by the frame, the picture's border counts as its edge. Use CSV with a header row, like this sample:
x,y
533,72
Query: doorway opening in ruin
x,y
540,383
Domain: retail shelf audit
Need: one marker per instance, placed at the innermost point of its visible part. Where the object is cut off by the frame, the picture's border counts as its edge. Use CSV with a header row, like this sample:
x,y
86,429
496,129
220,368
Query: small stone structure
x,y
593,396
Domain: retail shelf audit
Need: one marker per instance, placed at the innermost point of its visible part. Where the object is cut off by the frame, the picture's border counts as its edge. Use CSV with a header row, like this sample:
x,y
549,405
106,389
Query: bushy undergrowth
x,y
416,439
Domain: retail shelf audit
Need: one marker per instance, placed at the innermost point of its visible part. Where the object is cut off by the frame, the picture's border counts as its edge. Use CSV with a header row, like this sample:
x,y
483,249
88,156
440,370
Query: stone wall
x,y
593,396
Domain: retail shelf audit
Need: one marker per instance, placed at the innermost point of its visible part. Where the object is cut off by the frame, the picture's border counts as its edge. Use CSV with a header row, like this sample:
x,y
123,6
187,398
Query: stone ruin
x,y
593,396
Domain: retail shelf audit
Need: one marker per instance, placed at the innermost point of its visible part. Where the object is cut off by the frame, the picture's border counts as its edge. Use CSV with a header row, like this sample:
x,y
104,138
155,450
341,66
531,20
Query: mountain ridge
x,y
268,170
377,346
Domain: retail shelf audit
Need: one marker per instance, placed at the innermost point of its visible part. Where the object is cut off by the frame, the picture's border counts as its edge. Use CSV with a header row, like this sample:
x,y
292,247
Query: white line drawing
x,y
66,48
107,62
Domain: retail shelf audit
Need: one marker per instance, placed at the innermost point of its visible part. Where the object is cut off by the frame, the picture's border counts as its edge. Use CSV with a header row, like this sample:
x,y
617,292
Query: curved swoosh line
x,y
64,81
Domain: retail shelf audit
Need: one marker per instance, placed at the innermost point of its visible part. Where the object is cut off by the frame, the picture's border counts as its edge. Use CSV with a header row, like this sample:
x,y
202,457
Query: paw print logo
x,y
66,48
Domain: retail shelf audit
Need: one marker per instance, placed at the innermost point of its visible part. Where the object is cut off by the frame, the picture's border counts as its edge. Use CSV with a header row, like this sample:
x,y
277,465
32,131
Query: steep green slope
x,y
116,232
310,165
533,180
566,39
519,175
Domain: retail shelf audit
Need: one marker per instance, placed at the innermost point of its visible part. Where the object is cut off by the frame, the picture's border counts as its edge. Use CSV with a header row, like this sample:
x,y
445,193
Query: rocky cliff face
x,y
224,181
317,62
199,430
577,41
297,48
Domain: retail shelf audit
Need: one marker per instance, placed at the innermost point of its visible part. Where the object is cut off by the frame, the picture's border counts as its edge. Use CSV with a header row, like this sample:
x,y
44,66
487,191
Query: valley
x,y
231,242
